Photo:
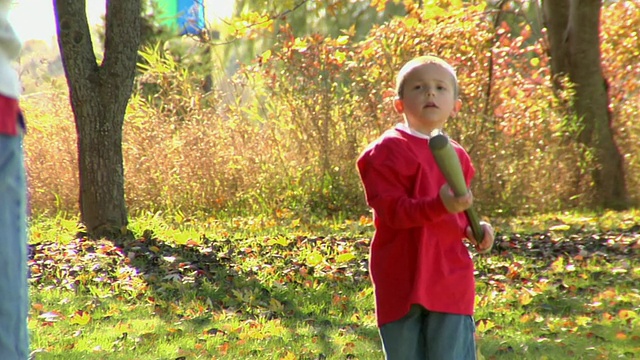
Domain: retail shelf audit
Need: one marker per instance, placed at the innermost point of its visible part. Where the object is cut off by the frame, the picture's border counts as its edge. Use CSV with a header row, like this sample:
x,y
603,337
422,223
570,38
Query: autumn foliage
x,y
284,131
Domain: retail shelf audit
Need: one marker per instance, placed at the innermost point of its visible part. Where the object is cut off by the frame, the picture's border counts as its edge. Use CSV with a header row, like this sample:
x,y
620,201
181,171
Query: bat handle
x,y
474,220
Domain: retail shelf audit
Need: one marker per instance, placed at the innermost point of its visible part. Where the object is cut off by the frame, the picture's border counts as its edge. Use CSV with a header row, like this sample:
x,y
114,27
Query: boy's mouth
x,y
430,105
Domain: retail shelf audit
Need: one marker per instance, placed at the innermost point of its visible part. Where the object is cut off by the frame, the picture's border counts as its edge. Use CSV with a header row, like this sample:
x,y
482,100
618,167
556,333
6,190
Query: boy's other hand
x,y
486,243
455,204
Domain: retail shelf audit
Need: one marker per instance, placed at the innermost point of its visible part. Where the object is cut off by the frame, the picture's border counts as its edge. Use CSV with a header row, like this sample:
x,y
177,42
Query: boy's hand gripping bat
x,y
449,163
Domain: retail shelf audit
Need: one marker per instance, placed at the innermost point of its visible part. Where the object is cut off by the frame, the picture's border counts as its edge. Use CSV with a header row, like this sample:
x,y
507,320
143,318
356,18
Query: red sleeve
x,y
387,179
9,111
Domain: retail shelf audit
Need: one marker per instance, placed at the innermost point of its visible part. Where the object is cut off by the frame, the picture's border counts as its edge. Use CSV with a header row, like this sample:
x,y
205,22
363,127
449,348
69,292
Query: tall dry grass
x,y
51,152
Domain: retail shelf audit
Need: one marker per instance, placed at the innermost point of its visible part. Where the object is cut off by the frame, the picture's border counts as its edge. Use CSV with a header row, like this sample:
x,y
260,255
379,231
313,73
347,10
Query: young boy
x,y
421,269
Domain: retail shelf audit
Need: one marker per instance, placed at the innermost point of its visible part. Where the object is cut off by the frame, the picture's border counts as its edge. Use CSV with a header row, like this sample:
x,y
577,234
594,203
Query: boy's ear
x,y
398,104
456,107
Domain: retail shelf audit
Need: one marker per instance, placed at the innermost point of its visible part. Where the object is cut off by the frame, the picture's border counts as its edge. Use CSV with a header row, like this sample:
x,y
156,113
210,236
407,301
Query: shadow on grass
x,y
246,280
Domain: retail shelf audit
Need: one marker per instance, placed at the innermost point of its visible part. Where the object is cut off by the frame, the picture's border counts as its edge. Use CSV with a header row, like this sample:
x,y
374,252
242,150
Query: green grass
x,y
284,288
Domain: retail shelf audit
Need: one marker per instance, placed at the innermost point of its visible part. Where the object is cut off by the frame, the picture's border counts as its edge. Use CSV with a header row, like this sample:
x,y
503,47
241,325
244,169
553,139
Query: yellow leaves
x,y
345,257
290,356
527,317
368,52
561,227
339,57
266,56
558,265
433,11
525,298
412,23
342,40
314,258
583,320
279,240
484,325
380,5
250,24
300,45
260,330
80,317
542,286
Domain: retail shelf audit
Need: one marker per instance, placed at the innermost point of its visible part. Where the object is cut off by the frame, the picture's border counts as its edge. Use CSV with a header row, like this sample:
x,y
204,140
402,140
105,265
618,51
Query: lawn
x,y
561,286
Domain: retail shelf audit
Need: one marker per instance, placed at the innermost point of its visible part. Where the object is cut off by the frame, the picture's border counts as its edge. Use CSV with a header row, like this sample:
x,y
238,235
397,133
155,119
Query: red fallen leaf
x,y
621,336
627,314
223,348
192,243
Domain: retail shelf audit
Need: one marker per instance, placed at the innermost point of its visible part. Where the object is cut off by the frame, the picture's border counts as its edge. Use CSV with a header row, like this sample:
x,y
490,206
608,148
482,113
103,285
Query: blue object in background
x,y
190,16
185,16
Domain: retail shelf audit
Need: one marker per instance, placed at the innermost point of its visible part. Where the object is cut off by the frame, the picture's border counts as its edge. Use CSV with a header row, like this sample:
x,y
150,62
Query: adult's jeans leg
x,y
14,303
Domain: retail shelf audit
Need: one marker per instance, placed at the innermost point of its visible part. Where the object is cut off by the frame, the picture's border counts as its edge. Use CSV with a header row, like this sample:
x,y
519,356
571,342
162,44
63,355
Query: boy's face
x,y
428,98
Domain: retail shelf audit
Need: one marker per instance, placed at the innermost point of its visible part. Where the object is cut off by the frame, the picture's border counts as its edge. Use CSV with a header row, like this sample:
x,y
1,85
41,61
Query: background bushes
x,y
283,134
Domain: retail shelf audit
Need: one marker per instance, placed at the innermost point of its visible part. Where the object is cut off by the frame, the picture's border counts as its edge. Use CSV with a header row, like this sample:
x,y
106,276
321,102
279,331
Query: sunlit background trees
x,y
265,111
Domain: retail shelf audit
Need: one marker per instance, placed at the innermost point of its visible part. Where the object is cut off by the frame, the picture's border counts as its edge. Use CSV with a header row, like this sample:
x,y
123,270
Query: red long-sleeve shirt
x,y
417,255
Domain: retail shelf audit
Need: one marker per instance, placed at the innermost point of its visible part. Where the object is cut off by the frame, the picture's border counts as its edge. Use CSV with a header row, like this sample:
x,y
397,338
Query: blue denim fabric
x,y
14,303
426,335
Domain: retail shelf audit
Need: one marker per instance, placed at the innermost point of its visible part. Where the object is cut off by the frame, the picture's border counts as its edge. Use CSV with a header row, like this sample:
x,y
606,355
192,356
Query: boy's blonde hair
x,y
421,60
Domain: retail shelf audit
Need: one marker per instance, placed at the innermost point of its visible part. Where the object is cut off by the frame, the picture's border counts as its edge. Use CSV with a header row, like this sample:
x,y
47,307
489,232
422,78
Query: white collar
x,y
405,128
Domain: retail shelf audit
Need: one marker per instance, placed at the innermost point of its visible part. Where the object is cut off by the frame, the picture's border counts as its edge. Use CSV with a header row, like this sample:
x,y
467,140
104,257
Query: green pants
x,y
426,335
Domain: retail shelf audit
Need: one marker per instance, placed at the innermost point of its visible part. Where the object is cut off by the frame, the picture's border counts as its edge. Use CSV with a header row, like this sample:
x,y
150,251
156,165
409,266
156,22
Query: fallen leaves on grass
x,y
535,276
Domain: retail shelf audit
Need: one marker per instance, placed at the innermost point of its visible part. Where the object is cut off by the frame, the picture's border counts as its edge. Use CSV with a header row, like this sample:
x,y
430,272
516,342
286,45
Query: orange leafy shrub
x,y
333,97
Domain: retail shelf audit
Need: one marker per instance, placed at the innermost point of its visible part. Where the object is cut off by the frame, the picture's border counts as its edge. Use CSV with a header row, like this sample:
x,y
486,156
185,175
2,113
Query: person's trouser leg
x,y
402,339
427,335
14,338
449,336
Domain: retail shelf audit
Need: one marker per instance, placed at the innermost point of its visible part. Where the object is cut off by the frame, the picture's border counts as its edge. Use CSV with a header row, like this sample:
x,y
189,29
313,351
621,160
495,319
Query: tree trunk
x,y
556,20
99,96
574,37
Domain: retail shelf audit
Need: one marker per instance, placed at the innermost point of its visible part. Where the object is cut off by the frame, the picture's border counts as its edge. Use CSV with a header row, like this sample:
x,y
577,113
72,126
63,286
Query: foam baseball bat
x,y
449,163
